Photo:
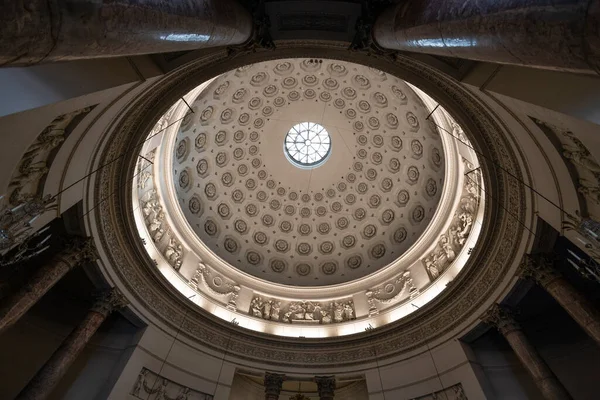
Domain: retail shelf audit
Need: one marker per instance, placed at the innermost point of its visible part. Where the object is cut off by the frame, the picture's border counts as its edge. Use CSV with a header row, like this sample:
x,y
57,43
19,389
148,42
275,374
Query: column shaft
x,y
57,30
55,368
544,378
43,280
46,379
540,268
545,34
578,307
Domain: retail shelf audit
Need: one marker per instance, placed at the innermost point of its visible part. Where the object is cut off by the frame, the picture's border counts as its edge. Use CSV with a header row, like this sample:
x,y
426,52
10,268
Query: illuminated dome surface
x,y
359,211
312,192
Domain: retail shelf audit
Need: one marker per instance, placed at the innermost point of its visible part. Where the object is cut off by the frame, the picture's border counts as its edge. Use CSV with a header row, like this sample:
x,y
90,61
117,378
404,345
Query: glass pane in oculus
x,y
307,145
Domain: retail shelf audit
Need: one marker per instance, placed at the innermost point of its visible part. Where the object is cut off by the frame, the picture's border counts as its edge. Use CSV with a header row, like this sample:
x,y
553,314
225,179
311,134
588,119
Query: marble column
x,y
273,384
547,34
544,378
43,280
540,268
46,379
325,386
38,31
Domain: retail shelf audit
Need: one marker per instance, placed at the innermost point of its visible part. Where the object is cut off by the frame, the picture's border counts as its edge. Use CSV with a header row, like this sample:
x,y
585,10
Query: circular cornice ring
x,y
125,261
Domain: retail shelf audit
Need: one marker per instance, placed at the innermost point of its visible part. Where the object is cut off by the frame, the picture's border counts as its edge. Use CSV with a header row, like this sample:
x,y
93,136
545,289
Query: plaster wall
x,y
174,360
41,85
575,95
517,98
420,376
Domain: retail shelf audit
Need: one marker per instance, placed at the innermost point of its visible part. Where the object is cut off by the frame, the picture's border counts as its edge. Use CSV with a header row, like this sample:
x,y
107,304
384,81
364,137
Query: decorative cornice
x,y
499,244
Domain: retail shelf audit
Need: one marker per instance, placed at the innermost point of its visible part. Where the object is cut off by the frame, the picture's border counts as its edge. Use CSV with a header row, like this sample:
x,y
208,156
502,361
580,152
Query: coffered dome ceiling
x,y
369,200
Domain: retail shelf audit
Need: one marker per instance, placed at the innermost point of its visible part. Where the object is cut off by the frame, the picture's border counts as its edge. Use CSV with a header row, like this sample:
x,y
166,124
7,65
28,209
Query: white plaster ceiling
x,y
356,213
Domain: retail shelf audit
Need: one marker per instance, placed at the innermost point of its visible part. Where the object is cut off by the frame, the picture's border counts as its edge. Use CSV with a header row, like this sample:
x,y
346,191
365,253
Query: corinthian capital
x,y
539,267
325,385
79,250
273,383
110,301
500,317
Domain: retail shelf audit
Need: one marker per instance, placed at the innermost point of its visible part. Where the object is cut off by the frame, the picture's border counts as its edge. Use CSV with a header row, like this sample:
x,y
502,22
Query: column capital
x,y
78,250
325,386
109,301
501,318
273,383
539,267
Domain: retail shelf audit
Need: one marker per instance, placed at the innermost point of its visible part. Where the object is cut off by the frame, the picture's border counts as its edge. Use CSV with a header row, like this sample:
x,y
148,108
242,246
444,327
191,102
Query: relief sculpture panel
x,y
302,312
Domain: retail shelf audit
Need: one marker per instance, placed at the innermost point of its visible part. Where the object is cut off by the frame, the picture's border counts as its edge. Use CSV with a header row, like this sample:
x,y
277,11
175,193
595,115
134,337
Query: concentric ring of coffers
x,y
231,183
384,179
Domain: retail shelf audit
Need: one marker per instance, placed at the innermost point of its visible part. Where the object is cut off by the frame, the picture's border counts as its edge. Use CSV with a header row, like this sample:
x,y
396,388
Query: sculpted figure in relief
x,y
579,155
174,253
184,395
348,312
582,159
266,311
447,247
589,190
45,143
466,220
158,235
256,307
325,317
156,222
430,264
161,393
139,384
275,309
272,309
338,312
